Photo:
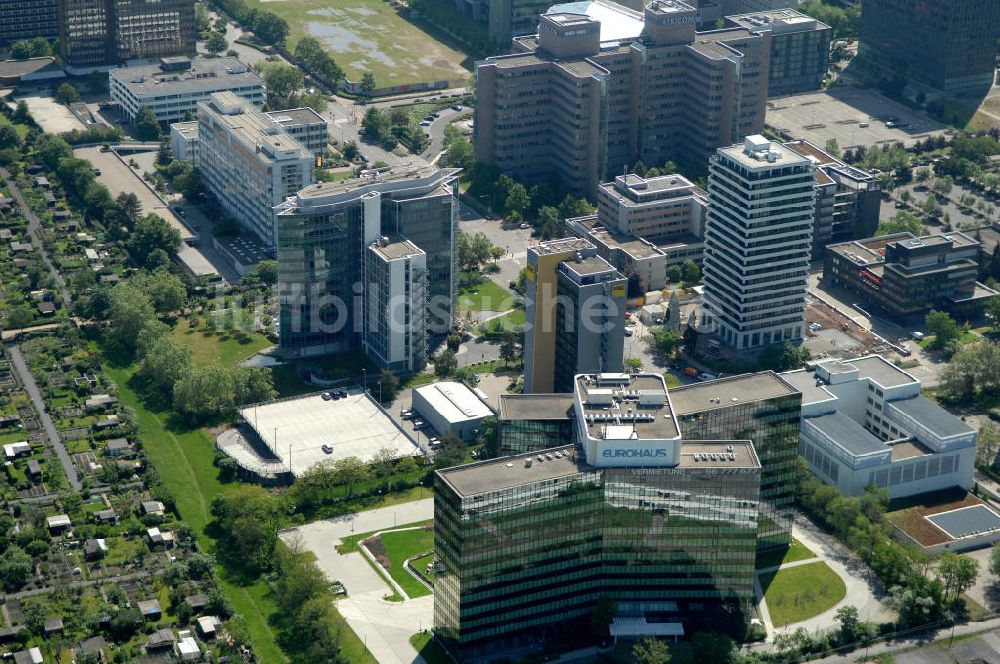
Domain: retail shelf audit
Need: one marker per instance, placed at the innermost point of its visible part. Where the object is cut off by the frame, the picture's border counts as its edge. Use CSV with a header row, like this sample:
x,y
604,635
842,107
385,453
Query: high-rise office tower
x,y
663,527
96,33
27,19
590,95
949,44
574,312
324,232
248,162
395,326
758,240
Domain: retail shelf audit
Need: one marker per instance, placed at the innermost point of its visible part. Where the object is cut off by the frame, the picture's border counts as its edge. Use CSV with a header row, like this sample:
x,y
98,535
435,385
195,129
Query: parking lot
x,y
840,112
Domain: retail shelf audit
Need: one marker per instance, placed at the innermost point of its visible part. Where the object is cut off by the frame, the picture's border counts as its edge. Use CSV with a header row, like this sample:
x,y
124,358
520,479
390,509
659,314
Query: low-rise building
x,y
906,276
174,87
249,163
865,423
800,48
451,407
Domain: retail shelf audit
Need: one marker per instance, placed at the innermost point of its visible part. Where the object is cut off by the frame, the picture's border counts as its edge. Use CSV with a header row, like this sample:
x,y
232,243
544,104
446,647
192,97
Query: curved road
x,y
28,381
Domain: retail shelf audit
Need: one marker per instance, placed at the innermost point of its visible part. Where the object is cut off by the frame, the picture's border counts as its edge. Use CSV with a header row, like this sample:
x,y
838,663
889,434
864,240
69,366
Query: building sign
x,y
623,453
618,290
630,453
529,273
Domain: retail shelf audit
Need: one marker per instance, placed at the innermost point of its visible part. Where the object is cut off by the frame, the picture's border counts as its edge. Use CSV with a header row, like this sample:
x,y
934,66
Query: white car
x,y
419,424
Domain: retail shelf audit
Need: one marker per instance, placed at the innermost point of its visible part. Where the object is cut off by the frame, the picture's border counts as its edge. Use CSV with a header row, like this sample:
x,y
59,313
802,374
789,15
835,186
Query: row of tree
x,y
392,127
267,26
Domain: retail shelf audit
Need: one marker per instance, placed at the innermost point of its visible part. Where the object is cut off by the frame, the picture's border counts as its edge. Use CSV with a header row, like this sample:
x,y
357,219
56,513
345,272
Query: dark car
x,y
327,449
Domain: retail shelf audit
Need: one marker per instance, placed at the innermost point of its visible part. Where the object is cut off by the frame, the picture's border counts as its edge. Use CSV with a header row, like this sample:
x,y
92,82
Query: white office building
x,y
864,422
184,140
175,86
395,322
249,163
758,237
451,407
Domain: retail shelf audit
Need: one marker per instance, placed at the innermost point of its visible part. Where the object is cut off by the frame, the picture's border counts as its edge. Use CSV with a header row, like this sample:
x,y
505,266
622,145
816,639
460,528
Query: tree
x,y
367,84
713,648
166,362
782,357
152,232
548,222
129,312
674,313
124,624
216,43
633,364
270,27
995,559
147,127
650,650
943,327
943,185
901,222
166,291
15,567
163,154
351,471
445,364
993,312
957,572
460,154
66,94
510,347
847,616
9,137
833,148
204,392
267,270
388,383
129,206
249,516
517,199
282,80
690,272
252,385
988,444
452,453
674,274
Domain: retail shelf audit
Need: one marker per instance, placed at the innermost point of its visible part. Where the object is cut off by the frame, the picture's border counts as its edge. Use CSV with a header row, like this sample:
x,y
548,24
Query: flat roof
x,y
932,416
588,265
454,401
609,404
908,449
255,129
618,23
508,472
804,381
558,246
396,247
205,74
780,21
718,454
848,434
966,521
784,156
296,117
409,179
881,371
728,391
536,406
352,426
635,247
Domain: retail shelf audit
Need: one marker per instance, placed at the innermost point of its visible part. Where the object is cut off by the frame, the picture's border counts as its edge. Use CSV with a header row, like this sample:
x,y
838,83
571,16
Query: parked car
x,y
406,414
628,332
419,424
863,125
524,227
457,107
917,336
706,376
425,123
327,449
341,394
436,445
327,396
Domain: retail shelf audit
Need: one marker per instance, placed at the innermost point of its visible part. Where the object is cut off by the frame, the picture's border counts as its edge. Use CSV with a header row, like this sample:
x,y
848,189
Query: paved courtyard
x,y
384,626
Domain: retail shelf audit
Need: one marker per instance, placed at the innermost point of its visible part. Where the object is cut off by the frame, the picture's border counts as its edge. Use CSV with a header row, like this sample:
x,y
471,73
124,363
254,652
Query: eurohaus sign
x,y
632,453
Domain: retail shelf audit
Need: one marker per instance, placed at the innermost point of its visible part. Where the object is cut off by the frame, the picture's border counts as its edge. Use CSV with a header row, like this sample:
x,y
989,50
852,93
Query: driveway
x,y
384,627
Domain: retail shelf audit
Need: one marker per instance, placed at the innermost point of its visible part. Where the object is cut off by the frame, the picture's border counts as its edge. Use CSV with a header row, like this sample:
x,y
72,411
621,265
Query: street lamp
x,y
364,379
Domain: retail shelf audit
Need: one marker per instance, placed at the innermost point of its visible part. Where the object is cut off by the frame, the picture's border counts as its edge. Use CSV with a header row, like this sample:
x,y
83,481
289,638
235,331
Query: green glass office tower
x,y
524,545
762,408
533,422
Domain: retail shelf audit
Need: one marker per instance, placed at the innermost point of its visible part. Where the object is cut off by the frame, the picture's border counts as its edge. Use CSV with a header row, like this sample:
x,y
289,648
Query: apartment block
x,y
948,44
96,33
27,19
865,423
848,199
758,237
574,312
906,276
800,48
593,93
396,303
249,163
173,87
326,241
664,527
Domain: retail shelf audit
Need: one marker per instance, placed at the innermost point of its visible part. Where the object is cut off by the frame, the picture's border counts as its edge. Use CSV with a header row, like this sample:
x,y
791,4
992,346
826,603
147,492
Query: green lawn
x,y
429,649
964,337
369,35
512,321
403,544
797,551
420,564
222,348
486,296
349,544
797,593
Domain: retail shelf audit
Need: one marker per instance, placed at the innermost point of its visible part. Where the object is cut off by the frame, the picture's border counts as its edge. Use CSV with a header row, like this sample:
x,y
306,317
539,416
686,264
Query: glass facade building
x,y
762,408
527,543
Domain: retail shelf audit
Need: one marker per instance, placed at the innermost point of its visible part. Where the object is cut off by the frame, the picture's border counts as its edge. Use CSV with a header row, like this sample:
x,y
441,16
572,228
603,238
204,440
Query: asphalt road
x,y
28,382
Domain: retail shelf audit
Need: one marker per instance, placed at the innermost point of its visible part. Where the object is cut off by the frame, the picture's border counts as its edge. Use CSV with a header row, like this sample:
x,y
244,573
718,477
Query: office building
x,y
758,238
765,409
865,423
665,528
449,406
173,88
396,302
906,276
324,231
948,44
533,422
800,48
96,33
644,225
593,93
184,140
304,125
503,19
27,19
848,199
574,313
248,163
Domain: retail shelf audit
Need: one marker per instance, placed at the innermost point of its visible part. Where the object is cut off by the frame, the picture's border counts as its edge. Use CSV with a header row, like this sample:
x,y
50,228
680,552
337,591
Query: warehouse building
x,y
451,407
